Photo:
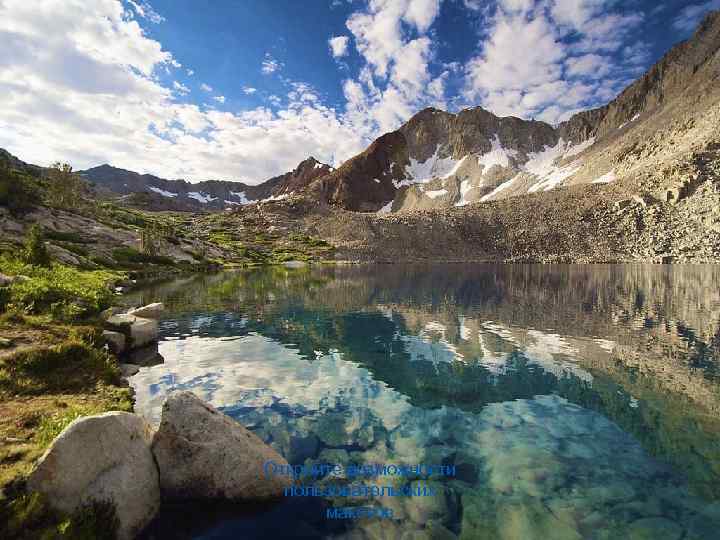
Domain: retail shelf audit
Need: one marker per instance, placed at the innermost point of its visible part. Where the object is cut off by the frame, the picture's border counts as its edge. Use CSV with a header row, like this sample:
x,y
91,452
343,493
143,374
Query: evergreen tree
x,y
35,251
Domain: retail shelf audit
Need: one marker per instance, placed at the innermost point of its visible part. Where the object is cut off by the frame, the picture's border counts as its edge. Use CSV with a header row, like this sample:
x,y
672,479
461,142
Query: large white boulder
x,y
204,454
104,458
151,311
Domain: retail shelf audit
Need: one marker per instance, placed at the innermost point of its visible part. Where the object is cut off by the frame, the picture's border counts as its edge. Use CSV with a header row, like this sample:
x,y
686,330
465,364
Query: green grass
x,y
30,517
71,366
52,424
67,292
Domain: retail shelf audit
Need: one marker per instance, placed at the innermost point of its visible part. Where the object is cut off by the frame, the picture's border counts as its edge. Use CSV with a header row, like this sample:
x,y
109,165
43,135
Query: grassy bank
x,y
53,369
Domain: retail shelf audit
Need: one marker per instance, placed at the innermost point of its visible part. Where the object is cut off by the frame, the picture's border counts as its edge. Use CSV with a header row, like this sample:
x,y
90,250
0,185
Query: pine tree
x,y
35,251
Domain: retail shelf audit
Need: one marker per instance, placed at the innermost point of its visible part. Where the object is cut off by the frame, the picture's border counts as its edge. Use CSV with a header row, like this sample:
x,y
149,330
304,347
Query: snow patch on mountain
x,y
386,209
543,164
605,178
628,122
436,193
498,189
162,192
277,197
240,195
574,149
498,155
431,168
465,187
201,197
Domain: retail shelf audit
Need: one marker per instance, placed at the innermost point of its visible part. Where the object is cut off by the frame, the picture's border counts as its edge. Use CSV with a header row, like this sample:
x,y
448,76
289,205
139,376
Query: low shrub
x,y
67,236
18,192
36,252
74,248
130,255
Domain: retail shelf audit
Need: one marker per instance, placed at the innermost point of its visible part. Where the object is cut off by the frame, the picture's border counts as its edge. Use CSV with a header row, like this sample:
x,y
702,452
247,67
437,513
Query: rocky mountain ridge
x,y
440,160
161,194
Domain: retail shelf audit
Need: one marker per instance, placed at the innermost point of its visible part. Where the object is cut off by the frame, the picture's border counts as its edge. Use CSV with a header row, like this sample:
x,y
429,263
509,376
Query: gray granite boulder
x,y
103,458
204,454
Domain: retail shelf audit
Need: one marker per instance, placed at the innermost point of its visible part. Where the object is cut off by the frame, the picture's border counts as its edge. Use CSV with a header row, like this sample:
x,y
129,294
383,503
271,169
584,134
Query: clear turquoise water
x,y
573,401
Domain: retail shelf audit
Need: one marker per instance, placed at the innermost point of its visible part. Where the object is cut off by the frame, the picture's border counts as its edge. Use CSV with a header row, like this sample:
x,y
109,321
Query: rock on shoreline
x,y
197,453
132,330
203,454
103,458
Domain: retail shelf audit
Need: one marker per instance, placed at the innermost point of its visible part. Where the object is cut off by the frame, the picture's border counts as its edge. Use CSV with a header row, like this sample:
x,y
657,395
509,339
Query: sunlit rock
x,y
104,458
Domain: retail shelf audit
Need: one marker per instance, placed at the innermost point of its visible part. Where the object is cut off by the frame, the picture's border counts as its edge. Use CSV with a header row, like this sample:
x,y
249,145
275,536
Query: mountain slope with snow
x,y
443,160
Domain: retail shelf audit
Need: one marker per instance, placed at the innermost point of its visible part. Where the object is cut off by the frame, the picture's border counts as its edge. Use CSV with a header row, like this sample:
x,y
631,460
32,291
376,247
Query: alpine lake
x,y
569,401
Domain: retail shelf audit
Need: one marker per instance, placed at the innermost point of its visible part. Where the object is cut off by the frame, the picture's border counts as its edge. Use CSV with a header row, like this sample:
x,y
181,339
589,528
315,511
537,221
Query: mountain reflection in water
x,y
574,401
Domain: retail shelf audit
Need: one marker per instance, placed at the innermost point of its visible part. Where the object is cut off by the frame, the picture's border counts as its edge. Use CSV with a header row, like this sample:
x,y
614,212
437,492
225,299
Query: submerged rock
x,y
530,520
128,370
655,528
103,458
145,356
204,454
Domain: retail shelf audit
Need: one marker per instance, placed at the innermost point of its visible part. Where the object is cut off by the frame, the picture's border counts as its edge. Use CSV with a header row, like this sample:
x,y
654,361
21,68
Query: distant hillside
x,y
156,193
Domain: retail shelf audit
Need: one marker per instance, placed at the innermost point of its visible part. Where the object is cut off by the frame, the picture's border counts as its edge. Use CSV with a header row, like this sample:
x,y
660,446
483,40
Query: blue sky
x,y
244,90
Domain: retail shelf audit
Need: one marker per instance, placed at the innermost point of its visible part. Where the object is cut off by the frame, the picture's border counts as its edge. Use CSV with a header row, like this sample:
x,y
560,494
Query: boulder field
x,y
196,453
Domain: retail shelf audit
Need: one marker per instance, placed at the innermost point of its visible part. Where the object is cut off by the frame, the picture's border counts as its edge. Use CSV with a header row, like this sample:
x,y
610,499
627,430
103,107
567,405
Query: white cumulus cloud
x,y
339,46
146,11
547,59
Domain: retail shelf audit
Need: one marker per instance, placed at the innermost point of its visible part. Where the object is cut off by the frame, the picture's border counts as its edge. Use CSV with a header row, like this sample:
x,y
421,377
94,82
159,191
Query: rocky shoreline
x,y
116,458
